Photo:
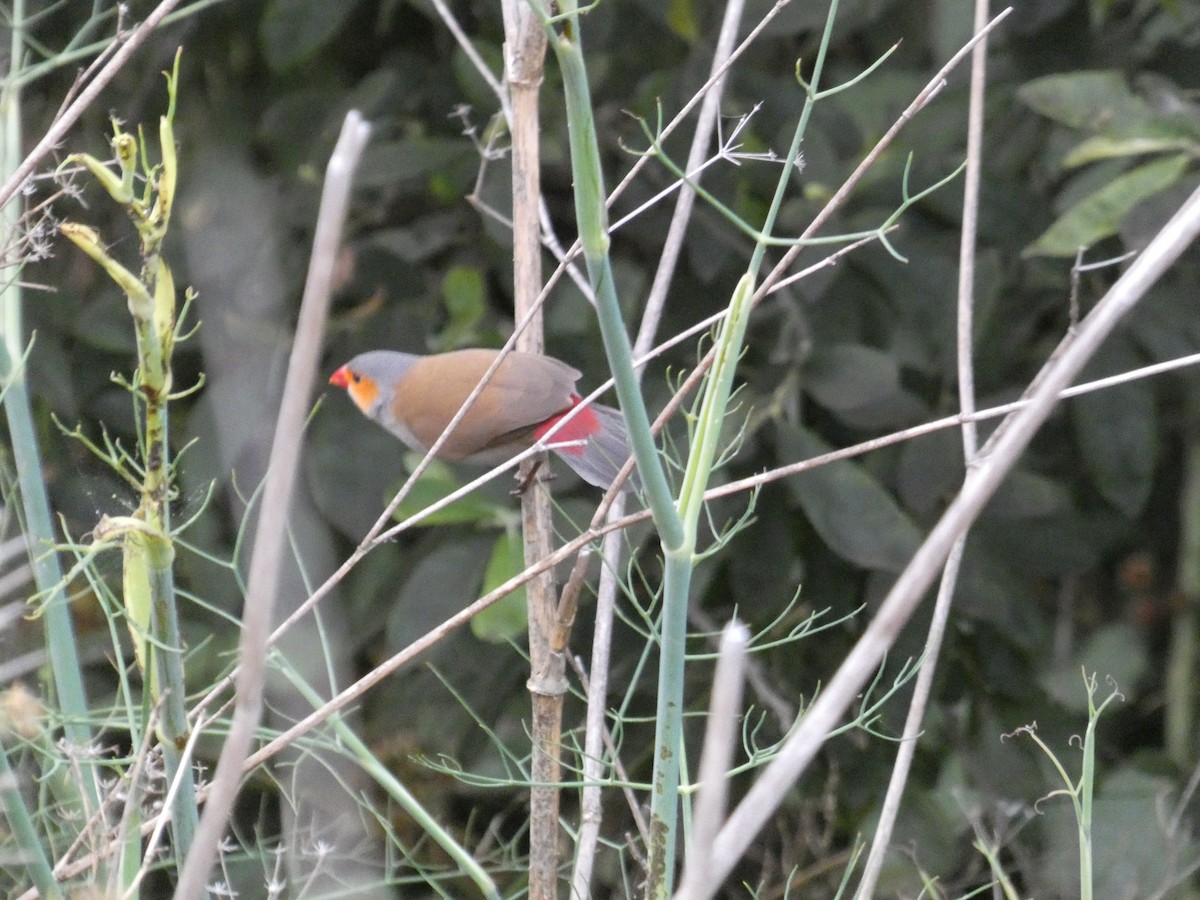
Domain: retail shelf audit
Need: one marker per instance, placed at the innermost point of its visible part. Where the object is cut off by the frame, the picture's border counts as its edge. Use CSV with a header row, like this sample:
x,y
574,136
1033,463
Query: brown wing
x,y
526,390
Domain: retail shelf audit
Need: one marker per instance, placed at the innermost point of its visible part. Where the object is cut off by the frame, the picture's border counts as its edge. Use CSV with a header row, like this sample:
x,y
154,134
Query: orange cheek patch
x,y
363,393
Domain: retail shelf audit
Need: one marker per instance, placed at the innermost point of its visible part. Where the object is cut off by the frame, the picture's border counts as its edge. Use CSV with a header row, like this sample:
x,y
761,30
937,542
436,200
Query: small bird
x,y
415,397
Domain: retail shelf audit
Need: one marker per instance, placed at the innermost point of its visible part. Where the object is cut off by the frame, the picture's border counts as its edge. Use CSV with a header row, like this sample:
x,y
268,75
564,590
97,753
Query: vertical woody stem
x,y
525,52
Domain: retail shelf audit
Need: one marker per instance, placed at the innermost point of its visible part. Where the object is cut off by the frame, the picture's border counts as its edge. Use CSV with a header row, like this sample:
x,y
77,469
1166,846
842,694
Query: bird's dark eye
x,y
355,377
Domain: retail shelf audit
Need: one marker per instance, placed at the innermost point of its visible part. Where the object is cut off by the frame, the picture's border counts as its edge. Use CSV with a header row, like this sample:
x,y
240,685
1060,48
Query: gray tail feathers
x,y
605,452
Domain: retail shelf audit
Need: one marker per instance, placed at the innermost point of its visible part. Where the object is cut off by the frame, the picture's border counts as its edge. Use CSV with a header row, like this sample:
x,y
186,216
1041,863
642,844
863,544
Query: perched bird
x,y
415,397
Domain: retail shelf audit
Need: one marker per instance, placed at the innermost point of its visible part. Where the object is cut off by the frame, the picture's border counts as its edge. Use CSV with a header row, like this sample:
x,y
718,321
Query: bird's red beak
x,y
340,378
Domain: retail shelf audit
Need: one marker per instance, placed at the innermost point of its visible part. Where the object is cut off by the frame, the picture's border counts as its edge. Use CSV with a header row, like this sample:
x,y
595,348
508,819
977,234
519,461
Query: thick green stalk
x,y
155,333
679,564
24,833
664,802
149,552
592,220
668,720
168,654
676,525
61,644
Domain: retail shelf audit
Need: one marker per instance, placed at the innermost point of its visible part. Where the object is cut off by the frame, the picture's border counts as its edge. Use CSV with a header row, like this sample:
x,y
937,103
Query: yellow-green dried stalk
x,y
149,553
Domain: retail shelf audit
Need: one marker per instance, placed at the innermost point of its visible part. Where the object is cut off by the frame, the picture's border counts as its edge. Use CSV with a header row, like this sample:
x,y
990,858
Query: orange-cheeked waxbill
x,y
415,397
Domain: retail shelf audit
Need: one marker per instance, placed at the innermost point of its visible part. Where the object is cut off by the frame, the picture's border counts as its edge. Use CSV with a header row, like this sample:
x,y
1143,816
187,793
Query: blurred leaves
x,y
1101,213
507,618
412,162
1118,430
850,510
292,31
681,16
439,583
439,481
1096,101
846,376
463,294
1116,123
1118,652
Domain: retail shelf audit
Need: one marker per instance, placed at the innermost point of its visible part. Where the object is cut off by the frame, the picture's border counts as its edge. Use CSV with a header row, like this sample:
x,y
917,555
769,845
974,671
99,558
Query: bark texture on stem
x,y
525,53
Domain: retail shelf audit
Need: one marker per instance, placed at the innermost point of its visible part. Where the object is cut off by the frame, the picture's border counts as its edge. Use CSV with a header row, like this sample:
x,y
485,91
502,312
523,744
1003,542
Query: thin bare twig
x,y
966,394
271,533
720,737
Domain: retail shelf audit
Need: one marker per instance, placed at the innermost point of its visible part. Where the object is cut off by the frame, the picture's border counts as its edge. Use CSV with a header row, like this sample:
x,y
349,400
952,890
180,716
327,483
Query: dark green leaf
x,y
293,30
507,618
930,470
414,243
1117,430
445,580
1043,546
846,376
850,510
1084,99
463,293
1027,495
1110,147
1116,651
421,158
352,466
105,324
439,481
1099,215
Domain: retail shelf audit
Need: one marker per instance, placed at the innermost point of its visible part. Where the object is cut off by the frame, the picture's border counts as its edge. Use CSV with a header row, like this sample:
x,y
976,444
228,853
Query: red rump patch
x,y
582,426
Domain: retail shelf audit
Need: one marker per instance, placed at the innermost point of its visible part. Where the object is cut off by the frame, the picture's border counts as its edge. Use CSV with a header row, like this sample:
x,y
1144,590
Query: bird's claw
x,y
525,482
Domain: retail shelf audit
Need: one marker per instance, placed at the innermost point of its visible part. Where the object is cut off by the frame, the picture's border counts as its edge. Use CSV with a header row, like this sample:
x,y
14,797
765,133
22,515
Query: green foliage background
x,y
1092,137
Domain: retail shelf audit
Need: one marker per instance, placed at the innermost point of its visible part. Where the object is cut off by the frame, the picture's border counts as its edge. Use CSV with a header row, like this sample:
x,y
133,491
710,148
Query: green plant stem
x,y
677,576
789,164
149,553
664,799
676,525
1086,791
1083,791
992,855
592,220
681,561
155,332
22,828
168,655
61,645
154,385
